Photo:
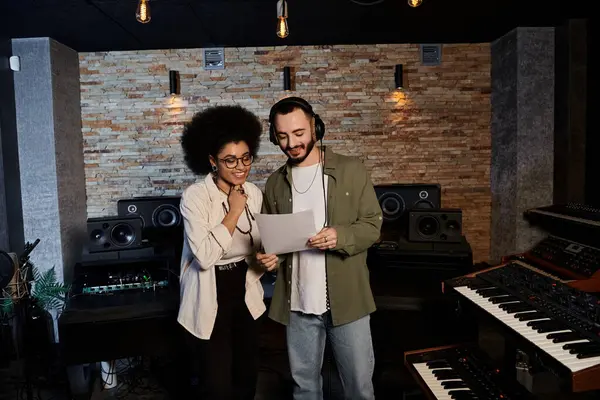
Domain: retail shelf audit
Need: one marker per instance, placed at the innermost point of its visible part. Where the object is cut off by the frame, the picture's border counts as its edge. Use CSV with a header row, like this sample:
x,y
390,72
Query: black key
x,y
490,292
502,299
512,303
444,372
562,337
437,364
584,348
479,285
589,354
553,327
463,395
528,316
517,307
537,324
454,384
445,376
580,345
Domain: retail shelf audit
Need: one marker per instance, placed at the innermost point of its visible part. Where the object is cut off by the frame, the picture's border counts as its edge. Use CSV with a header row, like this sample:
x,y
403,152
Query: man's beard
x,y
309,148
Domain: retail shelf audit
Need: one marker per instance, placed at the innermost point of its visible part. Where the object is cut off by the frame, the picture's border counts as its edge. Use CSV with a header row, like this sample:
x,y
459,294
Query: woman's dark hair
x,y
211,129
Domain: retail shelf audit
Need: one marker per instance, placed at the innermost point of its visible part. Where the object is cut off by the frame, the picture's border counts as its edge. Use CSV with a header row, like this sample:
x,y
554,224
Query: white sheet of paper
x,y
285,233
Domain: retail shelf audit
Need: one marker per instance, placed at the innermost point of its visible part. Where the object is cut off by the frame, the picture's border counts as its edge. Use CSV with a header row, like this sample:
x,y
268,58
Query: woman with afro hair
x,y
221,296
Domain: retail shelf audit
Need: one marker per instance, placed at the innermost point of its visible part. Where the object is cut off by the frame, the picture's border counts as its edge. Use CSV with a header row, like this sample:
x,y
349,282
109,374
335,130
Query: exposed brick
x,y
437,130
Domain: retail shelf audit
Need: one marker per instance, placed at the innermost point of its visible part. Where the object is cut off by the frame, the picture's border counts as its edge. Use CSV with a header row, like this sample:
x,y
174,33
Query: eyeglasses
x,y
232,162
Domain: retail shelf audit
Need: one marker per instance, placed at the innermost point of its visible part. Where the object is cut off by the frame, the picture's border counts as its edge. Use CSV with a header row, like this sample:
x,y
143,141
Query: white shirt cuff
x,y
223,237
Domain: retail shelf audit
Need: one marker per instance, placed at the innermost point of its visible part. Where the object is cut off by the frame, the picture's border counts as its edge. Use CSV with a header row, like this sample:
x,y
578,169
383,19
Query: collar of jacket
x,y
331,162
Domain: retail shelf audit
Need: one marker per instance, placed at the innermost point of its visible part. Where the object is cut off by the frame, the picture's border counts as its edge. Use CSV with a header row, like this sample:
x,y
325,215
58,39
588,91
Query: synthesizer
x,y
568,258
461,372
559,322
579,213
576,222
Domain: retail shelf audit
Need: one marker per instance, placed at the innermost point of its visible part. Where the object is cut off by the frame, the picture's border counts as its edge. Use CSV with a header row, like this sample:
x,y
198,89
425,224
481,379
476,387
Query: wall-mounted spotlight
x,y
142,13
398,77
415,3
174,87
282,15
287,79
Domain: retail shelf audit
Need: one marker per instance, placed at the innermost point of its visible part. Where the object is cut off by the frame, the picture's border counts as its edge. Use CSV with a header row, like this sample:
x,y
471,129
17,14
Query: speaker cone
x,y
97,236
428,226
122,234
453,226
423,204
392,206
165,216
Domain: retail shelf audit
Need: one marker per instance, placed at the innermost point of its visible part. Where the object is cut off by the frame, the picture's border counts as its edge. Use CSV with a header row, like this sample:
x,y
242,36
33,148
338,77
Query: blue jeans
x,y
352,349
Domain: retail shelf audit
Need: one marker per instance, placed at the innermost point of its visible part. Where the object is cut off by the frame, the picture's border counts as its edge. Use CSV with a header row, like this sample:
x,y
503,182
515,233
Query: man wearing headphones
x,y
323,293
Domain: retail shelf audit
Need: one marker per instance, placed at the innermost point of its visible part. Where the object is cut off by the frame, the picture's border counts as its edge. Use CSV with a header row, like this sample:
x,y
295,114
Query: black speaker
x,y
114,233
397,199
155,212
443,225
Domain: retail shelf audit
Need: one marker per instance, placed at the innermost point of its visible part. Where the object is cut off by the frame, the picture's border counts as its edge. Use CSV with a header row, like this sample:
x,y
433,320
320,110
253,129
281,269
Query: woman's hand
x,y
237,199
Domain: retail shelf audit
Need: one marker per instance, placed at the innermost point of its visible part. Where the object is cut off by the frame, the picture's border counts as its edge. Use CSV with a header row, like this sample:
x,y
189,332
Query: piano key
x,y
529,316
513,308
480,285
445,374
462,395
564,337
577,346
503,299
490,292
437,364
586,350
540,340
434,384
589,354
454,384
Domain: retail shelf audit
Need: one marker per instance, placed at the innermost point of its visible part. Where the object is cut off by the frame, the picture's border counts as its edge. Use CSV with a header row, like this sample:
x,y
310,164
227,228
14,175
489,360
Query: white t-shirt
x,y
309,276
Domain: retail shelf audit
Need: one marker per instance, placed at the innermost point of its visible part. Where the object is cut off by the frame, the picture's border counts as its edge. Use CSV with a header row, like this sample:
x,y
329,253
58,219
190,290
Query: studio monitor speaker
x,y
397,199
443,225
114,233
155,212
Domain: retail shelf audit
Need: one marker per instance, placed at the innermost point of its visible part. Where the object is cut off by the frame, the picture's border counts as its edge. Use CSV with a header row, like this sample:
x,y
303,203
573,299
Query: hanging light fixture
x,y
173,83
398,78
287,79
142,14
415,3
282,14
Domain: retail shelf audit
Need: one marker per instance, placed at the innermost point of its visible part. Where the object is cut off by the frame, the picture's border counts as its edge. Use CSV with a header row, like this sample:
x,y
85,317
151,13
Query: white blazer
x,y
207,243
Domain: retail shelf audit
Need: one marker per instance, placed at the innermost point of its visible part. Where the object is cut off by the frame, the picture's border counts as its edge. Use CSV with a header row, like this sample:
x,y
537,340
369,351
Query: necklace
x,y
311,182
249,217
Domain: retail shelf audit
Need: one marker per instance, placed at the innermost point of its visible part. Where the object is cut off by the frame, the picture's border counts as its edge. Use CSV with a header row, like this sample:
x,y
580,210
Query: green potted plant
x,y
46,293
41,301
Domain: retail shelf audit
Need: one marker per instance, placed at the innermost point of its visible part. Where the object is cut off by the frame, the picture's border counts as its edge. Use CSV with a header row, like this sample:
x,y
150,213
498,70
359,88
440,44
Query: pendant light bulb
x,y
282,28
282,25
415,3
142,14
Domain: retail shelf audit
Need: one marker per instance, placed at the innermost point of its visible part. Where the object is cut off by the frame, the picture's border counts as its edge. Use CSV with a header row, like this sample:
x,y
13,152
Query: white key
x,y
433,383
555,350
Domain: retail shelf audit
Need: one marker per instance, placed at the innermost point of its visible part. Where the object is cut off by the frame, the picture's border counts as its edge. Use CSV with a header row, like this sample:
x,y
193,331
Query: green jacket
x,y
354,211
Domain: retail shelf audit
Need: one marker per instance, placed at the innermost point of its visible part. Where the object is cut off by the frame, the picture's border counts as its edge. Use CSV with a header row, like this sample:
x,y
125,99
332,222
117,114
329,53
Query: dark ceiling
x,y
99,25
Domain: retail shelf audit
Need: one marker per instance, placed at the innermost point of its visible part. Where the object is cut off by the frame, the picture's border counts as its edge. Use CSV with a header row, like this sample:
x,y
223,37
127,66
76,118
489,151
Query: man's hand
x,y
267,261
324,240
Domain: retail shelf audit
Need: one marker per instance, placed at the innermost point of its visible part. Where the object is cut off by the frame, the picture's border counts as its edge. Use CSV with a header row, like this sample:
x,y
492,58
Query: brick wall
x,y
435,131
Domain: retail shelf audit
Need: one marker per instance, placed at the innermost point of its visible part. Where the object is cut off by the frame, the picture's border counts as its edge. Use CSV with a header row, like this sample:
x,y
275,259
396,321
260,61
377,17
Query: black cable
x,y
326,224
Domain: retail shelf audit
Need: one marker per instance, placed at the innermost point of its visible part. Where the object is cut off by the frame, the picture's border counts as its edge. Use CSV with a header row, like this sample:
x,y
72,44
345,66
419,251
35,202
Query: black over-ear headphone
x,y
301,103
